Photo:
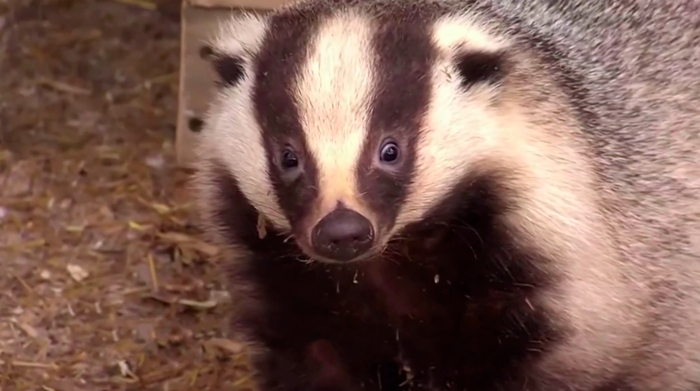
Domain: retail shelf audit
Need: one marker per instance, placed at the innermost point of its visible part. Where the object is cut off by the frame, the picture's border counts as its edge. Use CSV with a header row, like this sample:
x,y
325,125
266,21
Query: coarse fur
x,y
540,231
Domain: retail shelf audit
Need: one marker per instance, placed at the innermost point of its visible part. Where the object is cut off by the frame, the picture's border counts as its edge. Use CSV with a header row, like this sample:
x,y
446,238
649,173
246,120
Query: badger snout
x,y
342,235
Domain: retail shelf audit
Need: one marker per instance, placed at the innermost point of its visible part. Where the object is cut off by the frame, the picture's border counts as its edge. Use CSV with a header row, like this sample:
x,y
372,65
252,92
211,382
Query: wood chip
x,y
199,304
172,299
224,344
187,241
77,272
153,272
64,87
262,232
27,328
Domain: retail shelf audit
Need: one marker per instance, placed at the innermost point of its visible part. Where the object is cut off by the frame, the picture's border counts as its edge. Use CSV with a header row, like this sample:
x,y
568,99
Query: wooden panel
x,y
196,77
199,21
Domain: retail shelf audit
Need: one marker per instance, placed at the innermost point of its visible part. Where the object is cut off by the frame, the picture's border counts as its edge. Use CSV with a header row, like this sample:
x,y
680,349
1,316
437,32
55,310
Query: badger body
x,y
460,195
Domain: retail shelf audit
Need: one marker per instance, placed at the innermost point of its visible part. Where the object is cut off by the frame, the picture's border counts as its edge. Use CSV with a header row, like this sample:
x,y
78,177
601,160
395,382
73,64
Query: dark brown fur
x,y
469,328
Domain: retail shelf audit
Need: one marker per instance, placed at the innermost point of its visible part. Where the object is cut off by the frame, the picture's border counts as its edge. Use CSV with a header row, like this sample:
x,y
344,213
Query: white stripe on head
x,y
333,93
232,133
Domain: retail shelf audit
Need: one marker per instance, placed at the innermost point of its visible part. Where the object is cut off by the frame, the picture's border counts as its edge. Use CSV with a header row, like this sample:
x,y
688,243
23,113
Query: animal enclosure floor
x,y
104,284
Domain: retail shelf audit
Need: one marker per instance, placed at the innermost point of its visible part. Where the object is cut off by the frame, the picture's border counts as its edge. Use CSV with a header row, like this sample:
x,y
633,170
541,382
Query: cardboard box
x,y
199,20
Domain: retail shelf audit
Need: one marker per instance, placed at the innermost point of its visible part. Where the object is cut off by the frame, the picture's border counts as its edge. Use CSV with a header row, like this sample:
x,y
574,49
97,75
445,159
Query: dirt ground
x,y
104,282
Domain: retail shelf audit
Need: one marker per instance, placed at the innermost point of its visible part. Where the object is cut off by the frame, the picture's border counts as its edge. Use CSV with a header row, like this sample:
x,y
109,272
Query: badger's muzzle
x,y
342,235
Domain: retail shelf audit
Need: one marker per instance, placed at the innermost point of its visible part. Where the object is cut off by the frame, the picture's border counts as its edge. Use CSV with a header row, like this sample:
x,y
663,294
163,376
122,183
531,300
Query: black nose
x,y
342,235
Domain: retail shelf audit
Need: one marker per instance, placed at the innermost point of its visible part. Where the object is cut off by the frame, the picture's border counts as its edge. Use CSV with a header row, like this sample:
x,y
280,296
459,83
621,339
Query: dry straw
x,y
104,283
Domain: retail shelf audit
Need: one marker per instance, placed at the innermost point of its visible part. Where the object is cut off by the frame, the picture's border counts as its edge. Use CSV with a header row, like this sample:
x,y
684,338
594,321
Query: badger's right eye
x,y
289,159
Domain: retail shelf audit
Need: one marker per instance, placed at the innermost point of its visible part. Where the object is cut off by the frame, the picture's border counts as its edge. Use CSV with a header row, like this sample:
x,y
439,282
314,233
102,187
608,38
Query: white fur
x,y
455,31
233,135
333,94
556,212
240,35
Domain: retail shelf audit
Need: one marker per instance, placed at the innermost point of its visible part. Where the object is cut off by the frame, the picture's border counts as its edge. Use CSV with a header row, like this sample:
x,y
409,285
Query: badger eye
x,y
289,159
389,153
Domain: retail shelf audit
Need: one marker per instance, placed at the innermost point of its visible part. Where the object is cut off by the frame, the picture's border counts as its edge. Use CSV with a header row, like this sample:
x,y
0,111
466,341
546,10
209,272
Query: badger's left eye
x,y
389,153
289,159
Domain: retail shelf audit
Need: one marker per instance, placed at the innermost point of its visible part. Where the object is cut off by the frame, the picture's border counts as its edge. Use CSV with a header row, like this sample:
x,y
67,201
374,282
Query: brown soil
x,y
104,284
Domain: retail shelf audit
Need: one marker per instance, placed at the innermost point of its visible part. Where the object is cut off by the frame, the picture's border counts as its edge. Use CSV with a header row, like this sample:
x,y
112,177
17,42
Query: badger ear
x,y
480,66
229,69
234,45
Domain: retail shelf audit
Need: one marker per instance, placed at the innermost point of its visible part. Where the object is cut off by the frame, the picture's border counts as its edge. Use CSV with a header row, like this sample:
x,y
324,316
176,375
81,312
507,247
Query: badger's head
x,y
342,124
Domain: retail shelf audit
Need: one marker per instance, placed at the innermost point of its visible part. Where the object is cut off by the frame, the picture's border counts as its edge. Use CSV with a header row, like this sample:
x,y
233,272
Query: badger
x,y
459,194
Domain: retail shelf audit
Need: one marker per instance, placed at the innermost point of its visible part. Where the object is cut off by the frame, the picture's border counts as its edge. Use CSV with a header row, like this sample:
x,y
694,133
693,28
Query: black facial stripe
x,y
486,303
403,56
277,65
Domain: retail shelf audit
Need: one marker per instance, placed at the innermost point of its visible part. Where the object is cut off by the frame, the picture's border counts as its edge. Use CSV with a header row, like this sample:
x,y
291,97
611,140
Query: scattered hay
x,y
104,283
